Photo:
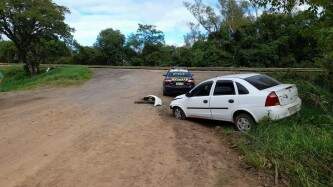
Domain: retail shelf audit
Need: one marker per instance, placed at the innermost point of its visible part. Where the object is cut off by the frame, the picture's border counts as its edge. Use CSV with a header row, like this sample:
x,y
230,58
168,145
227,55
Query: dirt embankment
x,y
94,135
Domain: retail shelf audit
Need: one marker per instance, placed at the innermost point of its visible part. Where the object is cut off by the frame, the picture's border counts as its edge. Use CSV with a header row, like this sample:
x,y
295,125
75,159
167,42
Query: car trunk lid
x,y
287,93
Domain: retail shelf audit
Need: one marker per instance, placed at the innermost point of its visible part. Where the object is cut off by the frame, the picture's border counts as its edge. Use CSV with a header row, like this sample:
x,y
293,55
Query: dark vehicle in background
x,y
177,81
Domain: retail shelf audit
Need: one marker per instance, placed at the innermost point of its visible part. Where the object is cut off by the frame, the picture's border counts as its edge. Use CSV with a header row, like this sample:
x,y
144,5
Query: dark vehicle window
x,y
179,74
202,89
262,82
241,89
224,88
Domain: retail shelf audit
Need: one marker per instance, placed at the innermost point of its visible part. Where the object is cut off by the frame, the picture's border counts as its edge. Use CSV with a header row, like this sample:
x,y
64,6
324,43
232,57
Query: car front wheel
x,y
179,113
244,122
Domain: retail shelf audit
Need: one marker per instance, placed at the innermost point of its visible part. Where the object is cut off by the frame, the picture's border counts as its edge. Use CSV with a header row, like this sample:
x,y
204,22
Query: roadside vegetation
x,y
15,78
299,148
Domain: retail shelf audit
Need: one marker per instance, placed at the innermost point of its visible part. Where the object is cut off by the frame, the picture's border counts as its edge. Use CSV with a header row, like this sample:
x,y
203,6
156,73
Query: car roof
x,y
238,76
178,70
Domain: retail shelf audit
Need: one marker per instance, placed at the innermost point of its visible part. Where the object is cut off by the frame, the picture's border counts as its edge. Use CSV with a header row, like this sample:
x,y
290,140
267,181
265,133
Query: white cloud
x,y
89,17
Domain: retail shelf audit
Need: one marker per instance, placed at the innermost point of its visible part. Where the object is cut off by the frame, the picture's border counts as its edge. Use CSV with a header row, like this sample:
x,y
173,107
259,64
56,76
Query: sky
x,y
89,17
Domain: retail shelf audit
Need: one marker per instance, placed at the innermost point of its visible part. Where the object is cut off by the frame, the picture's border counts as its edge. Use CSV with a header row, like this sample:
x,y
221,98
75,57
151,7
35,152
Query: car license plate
x,y
179,83
293,109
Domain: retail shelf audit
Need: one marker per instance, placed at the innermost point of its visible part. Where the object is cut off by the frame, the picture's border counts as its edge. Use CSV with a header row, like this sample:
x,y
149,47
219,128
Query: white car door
x,y
223,100
197,104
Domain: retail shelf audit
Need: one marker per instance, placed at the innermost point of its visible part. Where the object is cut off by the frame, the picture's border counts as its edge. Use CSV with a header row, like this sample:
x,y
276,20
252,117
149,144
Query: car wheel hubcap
x,y
178,113
243,124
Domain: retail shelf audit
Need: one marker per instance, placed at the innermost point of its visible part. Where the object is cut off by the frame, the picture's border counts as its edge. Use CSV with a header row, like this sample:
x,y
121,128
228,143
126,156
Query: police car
x,y
177,81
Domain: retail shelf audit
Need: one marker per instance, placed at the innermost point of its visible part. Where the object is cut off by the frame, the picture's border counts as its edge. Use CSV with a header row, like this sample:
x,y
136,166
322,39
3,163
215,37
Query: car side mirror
x,y
164,75
188,94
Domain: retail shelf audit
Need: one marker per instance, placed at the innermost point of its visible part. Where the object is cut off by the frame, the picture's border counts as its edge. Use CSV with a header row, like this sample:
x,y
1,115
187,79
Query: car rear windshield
x,y
262,82
179,74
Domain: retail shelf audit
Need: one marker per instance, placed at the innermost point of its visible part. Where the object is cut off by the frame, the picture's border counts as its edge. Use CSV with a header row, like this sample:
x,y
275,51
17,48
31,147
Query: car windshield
x,y
262,82
179,74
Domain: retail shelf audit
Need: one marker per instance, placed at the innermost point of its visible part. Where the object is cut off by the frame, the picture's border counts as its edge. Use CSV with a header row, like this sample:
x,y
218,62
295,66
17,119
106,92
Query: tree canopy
x,y
111,43
27,22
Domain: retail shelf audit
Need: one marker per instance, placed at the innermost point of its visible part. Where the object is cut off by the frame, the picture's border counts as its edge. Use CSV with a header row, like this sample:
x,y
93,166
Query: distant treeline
x,y
235,34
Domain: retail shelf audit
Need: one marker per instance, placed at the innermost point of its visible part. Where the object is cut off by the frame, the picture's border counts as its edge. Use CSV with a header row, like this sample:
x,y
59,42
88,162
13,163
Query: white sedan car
x,y
243,99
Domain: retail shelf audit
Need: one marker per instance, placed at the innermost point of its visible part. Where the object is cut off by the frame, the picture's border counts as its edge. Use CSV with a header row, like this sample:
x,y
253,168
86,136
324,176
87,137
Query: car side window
x,y
202,90
241,89
224,87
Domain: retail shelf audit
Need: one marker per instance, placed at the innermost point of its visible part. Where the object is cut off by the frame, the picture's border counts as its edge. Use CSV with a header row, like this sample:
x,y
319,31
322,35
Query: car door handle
x,y
231,101
205,101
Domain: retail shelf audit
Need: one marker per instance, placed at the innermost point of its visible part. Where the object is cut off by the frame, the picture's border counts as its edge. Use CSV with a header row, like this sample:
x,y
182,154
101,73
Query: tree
x,y
8,52
146,41
111,43
49,51
194,35
288,6
87,56
146,35
28,22
207,53
182,56
277,40
322,11
234,13
161,56
274,39
205,15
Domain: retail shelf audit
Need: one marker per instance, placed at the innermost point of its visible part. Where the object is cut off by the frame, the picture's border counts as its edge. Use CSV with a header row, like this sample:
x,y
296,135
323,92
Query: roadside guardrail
x,y
241,69
237,69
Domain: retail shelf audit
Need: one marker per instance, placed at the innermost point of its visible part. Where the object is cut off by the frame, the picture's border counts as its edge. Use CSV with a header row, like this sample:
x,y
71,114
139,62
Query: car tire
x,y
179,113
244,122
165,93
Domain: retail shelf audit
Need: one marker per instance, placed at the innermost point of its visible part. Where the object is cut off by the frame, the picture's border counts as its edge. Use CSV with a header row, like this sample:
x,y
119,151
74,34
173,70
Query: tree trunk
x,y
30,67
37,68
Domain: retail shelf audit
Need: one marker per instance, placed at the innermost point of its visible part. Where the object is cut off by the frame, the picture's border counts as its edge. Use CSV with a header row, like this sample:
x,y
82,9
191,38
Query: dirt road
x,y
94,135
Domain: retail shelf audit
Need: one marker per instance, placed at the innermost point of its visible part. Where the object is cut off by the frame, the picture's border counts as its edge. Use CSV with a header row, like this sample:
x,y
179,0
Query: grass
x,y
299,147
15,78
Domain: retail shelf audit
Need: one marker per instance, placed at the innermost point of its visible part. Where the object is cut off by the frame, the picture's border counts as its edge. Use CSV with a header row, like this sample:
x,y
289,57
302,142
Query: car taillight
x,y
190,81
167,81
272,100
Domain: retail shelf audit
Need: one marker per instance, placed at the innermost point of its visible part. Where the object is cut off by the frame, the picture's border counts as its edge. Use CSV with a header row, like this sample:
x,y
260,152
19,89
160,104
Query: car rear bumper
x,y
177,89
280,112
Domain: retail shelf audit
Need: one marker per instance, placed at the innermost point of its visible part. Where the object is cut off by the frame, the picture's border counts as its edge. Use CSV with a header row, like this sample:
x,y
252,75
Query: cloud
x,y
89,17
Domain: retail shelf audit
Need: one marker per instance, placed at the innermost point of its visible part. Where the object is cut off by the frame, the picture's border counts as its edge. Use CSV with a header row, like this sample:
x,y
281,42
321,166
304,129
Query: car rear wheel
x,y
165,93
244,122
179,113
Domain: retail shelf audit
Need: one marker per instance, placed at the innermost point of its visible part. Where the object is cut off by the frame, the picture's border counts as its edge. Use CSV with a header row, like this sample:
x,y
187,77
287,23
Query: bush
x,y
64,60
8,52
314,88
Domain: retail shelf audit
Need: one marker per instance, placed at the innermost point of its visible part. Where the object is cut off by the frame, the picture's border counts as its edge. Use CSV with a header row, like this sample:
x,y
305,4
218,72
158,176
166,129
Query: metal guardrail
x,y
240,69
236,69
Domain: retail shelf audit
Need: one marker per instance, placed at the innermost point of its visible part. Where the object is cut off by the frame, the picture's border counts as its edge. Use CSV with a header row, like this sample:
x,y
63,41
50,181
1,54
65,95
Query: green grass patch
x,y
301,147
15,78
